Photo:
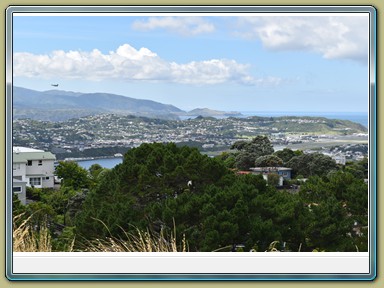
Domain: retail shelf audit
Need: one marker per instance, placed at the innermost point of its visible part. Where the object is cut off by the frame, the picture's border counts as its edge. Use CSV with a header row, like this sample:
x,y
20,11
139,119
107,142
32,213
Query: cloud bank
x,y
339,37
130,64
334,37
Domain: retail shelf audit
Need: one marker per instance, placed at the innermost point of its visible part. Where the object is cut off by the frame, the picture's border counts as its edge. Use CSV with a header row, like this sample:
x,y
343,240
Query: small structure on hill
x,y
284,173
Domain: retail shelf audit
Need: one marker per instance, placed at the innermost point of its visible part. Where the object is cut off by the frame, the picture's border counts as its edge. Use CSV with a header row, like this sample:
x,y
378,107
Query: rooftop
x,y
23,157
17,149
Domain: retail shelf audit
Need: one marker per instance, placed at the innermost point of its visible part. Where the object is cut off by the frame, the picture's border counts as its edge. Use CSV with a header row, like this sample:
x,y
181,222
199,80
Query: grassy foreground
x,y
29,238
32,238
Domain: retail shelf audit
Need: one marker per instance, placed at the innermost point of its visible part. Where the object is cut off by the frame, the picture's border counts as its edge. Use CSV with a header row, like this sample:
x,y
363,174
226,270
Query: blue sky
x,y
233,63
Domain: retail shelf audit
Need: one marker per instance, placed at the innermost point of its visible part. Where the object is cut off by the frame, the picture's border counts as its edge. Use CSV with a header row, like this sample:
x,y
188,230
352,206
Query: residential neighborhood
x,y
206,133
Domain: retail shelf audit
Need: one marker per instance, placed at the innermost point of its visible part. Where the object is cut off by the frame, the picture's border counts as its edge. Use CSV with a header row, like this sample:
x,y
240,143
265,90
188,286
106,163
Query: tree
x,y
268,161
285,155
239,145
150,174
312,164
72,175
250,151
260,145
228,159
244,160
358,168
273,179
95,170
329,227
17,209
150,190
335,203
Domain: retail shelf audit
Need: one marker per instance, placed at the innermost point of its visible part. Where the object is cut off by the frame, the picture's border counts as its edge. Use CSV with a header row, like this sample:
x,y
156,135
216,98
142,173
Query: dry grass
x,y
27,239
272,247
138,241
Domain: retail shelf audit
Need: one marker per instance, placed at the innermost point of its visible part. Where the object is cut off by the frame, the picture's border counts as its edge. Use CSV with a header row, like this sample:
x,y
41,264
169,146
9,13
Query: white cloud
x,y
130,64
338,37
183,25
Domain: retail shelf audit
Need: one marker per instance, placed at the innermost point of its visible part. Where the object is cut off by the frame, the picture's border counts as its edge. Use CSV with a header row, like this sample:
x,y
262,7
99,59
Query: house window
x,y
46,178
40,162
16,189
29,163
35,181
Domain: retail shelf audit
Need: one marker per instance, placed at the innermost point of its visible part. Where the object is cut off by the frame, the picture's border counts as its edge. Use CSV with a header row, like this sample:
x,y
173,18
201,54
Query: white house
x,y
33,167
283,172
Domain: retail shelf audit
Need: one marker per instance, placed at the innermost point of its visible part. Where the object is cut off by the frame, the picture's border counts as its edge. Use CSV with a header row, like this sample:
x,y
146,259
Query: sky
x,y
248,62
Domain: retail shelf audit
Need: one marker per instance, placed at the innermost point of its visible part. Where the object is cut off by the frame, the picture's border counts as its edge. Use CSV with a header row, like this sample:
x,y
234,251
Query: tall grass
x,y
138,241
28,239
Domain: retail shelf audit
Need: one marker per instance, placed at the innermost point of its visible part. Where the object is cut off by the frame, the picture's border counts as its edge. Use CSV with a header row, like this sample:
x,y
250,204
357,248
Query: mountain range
x,y
58,105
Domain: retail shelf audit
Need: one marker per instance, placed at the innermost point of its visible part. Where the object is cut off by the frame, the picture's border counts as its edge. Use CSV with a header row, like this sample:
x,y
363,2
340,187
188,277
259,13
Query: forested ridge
x,y
162,187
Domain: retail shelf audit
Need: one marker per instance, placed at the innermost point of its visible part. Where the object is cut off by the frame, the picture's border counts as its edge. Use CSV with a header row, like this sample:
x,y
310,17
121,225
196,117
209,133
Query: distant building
x,y
31,168
283,172
339,159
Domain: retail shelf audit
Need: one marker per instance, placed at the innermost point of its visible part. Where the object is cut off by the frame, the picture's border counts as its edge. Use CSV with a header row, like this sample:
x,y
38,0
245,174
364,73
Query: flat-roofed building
x,y
284,173
34,167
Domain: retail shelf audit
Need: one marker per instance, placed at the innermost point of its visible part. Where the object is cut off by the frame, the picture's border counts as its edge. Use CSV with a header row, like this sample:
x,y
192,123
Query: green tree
x,y
250,151
72,175
41,213
268,161
149,175
95,170
359,169
336,202
57,199
329,227
285,155
18,209
273,179
228,159
239,145
312,164
65,241
151,189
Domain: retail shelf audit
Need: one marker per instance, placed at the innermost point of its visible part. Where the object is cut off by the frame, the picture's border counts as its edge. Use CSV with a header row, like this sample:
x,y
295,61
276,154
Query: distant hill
x,y
57,105
206,112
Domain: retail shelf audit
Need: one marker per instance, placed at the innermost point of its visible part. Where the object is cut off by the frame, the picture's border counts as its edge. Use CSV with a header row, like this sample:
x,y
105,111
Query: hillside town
x,y
208,134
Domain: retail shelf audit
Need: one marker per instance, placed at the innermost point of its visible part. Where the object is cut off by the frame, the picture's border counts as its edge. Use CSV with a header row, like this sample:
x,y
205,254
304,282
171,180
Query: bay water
x,y
103,162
